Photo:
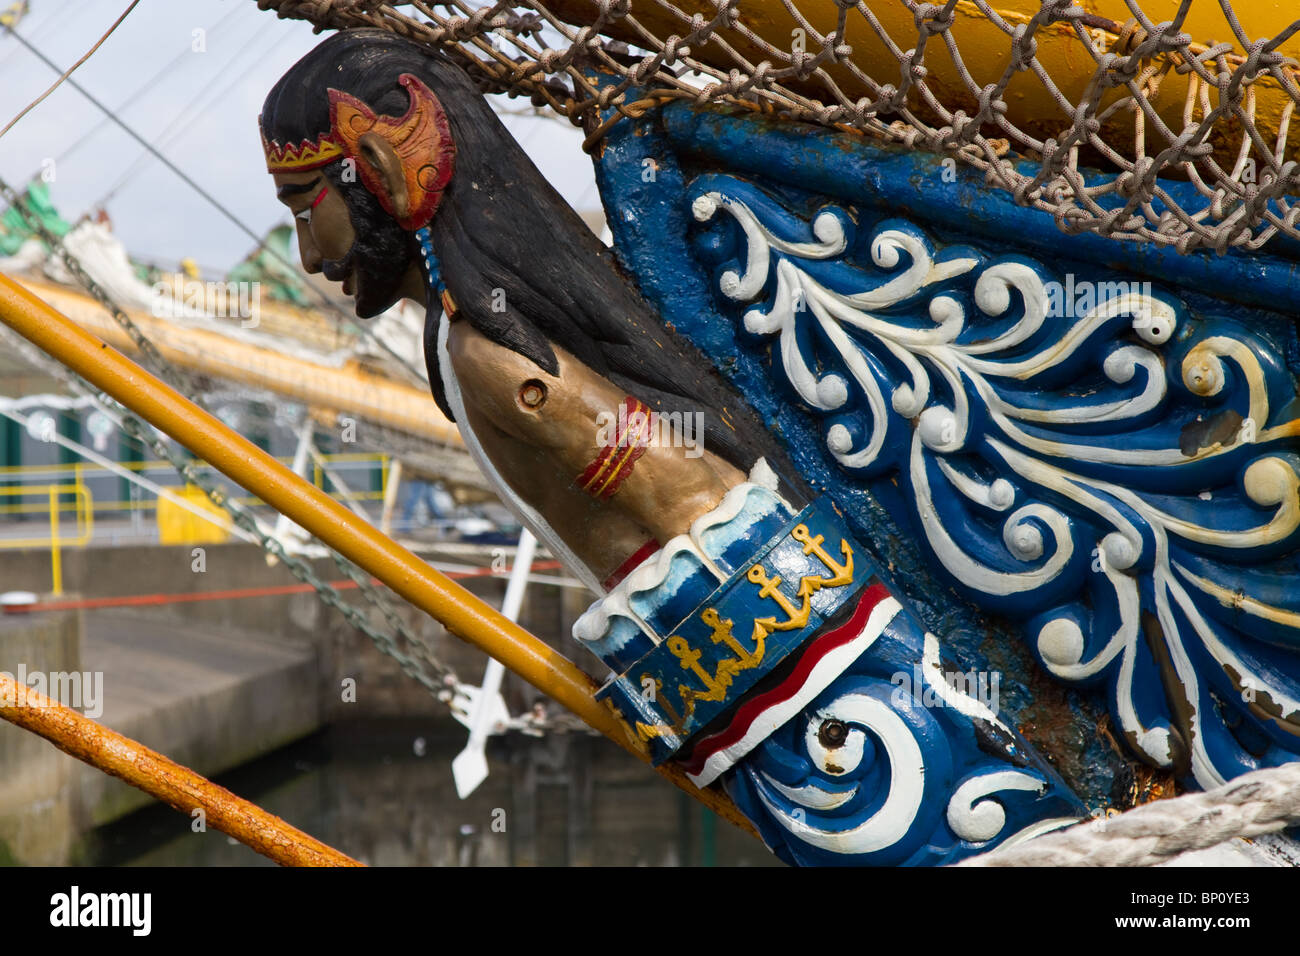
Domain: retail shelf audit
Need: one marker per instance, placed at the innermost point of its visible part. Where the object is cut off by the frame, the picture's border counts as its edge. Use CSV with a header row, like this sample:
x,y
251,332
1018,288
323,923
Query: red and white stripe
x,y
821,661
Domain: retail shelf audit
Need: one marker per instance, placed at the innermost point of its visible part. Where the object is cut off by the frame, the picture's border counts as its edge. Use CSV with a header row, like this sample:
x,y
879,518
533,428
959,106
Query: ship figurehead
x,y
750,636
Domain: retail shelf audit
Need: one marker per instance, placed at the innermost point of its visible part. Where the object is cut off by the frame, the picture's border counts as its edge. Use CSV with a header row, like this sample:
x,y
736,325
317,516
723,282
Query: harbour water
x,y
382,792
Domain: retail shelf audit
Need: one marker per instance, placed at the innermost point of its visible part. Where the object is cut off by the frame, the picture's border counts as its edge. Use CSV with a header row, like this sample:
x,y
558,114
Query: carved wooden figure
x,y
754,628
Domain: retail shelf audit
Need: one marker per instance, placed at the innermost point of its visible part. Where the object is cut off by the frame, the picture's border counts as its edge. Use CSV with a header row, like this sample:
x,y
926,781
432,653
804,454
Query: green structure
x,y
36,202
270,266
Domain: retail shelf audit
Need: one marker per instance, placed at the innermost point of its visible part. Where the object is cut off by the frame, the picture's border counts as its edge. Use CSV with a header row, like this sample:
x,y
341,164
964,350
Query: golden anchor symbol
x,y
796,618
722,635
716,684
843,573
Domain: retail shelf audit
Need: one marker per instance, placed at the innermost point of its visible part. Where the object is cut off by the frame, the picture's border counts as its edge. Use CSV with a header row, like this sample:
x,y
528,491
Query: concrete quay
x,y
211,684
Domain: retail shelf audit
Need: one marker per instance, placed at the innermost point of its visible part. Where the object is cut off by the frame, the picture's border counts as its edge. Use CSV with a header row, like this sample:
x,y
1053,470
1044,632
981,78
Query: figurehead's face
x,y
360,192
377,270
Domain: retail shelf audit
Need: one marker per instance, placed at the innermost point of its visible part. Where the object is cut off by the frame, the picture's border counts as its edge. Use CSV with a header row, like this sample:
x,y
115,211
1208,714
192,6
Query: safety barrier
x,y
83,473
83,507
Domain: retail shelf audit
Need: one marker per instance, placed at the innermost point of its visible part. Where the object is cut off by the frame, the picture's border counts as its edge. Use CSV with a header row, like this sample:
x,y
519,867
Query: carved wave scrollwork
x,y
1085,455
899,783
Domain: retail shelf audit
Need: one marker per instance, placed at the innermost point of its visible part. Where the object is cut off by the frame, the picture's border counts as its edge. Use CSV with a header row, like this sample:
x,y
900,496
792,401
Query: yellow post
x,y
56,559
83,514
249,466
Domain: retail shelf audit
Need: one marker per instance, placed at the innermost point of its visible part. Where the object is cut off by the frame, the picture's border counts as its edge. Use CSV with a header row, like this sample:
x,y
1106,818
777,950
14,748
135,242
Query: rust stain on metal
x,y
1058,722
1141,783
1181,708
175,785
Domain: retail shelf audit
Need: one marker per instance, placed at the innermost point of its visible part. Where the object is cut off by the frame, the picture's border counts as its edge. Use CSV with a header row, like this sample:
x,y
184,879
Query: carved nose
x,y
307,251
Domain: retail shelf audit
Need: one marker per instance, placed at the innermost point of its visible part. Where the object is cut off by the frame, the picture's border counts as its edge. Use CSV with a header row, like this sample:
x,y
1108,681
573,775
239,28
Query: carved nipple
x,y
532,394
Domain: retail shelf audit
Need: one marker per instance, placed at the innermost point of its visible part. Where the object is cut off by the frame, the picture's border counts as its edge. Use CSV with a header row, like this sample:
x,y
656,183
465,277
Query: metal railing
x,y
82,473
83,507
372,552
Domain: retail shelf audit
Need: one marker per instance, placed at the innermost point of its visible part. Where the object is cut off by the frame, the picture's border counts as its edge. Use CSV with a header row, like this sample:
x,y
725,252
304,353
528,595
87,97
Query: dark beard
x,y
381,253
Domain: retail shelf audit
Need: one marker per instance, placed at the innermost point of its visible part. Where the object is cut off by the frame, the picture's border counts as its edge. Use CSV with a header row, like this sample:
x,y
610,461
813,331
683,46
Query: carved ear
x,y
385,172
407,160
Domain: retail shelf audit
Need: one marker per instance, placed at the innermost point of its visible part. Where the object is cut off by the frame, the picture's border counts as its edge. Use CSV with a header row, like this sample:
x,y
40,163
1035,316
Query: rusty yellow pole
x,y
350,389
244,463
177,786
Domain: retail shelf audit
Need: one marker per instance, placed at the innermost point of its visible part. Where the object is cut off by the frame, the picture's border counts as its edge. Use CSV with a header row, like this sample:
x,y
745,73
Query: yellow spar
x,y
244,463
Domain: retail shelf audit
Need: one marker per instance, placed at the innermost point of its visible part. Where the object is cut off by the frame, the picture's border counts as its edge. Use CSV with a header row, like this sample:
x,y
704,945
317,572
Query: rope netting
x,y
1085,117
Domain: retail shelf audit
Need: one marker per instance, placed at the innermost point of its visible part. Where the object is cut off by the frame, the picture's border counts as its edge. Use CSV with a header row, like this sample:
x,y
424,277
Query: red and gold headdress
x,y
306,155
421,138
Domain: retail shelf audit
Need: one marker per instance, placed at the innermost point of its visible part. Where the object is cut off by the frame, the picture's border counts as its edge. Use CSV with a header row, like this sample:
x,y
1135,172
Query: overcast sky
x,y
200,111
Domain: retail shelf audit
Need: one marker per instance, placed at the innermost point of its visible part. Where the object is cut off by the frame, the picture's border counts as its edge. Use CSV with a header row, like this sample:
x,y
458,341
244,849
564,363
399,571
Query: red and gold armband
x,y
631,436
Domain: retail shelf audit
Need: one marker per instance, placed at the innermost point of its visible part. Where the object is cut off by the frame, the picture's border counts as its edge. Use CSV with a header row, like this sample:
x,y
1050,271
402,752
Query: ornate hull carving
x,y
1105,459
953,444
1104,465
764,650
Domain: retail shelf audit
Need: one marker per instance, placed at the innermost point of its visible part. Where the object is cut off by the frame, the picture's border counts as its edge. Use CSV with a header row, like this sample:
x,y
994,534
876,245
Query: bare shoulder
x,y
520,397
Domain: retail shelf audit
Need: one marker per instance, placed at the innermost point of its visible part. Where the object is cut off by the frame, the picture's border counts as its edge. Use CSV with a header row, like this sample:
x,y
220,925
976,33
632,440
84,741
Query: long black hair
x,y
520,264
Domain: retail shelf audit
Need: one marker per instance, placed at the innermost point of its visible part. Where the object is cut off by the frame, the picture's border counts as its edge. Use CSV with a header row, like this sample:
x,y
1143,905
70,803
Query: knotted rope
x,y
1264,801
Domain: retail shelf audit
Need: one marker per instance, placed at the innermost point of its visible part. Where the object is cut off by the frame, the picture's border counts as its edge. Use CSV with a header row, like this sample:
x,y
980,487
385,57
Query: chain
x,y
418,661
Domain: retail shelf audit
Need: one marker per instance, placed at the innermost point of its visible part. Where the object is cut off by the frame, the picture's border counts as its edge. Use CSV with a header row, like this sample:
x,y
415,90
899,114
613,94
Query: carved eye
x,y
304,215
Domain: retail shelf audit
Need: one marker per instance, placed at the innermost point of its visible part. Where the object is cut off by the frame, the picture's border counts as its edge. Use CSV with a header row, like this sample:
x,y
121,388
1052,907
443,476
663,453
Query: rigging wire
x,y
66,74
189,114
403,363
144,88
442,678
13,56
185,177
152,151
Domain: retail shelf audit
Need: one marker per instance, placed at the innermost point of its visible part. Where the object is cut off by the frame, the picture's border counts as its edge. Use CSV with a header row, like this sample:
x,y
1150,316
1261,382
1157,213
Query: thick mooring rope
x,y
1264,801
